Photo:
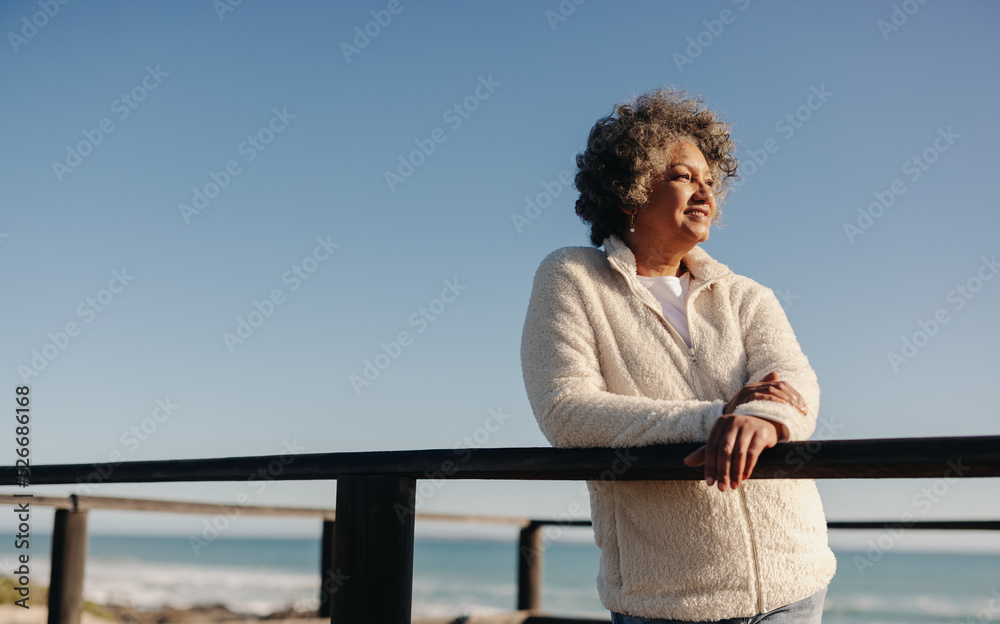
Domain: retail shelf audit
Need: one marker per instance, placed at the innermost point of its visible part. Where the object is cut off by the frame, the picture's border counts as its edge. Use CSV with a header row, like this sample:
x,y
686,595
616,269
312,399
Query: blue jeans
x,y
806,611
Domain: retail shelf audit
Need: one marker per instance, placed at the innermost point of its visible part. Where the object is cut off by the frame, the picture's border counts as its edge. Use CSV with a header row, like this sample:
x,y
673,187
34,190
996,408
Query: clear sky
x,y
274,173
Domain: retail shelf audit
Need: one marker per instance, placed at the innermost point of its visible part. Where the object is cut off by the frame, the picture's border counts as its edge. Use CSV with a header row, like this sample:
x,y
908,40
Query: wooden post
x,y
69,553
373,551
530,564
328,580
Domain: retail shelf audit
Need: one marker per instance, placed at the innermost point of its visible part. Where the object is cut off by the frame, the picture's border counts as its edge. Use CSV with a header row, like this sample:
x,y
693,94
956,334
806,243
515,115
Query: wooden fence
x,y
371,541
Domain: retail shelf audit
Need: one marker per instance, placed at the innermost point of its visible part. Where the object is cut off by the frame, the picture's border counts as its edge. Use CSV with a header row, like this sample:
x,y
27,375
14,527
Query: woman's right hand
x,y
736,440
770,388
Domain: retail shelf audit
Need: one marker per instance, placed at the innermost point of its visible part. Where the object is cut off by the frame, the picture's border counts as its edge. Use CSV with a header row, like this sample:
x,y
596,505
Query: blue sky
x,y
193,160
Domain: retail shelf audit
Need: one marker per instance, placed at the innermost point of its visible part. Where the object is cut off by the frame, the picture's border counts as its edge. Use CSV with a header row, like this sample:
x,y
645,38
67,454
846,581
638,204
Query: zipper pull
x,y
694,358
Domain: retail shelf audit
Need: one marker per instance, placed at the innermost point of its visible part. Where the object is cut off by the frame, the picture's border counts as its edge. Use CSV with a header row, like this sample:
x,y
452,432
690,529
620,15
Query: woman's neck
x,y
657,262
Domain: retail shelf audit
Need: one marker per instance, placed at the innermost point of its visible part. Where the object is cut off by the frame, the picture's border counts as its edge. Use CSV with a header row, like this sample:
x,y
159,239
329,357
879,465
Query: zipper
x,y
695,365
692,355
691,352
753,550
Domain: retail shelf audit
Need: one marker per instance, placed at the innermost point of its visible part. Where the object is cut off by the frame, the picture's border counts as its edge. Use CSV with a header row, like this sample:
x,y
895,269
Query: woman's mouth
x,y
701,214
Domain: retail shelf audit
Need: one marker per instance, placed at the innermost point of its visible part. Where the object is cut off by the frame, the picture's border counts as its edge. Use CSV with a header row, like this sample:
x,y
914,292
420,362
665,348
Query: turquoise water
x,y
479,576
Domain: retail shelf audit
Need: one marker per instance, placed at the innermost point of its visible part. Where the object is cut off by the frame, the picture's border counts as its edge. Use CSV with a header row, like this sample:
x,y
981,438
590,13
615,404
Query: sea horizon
x,y
462,576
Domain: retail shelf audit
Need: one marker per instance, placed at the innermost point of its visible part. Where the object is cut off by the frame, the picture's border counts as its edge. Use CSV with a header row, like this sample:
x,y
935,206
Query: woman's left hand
x,y
733,447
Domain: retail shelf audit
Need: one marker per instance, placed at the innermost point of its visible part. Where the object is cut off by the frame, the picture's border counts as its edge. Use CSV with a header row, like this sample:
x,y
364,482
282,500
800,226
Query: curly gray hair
x,y
627,151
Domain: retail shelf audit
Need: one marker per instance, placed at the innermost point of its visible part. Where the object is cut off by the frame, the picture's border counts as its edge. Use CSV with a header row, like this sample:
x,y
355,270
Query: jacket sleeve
x,y
771,346
567,391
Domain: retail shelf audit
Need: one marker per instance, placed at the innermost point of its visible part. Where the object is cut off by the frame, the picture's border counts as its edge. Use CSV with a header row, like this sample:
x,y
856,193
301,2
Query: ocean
x,y
477,576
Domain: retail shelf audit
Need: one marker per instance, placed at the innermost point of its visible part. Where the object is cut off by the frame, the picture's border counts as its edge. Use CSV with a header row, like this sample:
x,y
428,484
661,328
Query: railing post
x,y
530,564
373,551
328,580
69,553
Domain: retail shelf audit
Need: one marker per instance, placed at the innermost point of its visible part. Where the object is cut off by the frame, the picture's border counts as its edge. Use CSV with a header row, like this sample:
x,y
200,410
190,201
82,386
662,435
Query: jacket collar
x,y
703,268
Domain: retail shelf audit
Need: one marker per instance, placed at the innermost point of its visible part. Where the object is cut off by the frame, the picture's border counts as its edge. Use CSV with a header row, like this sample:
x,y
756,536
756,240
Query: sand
x,y
10,614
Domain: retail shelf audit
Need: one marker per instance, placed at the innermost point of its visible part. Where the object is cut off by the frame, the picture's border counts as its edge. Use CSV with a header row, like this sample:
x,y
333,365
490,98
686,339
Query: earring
x,y
631,225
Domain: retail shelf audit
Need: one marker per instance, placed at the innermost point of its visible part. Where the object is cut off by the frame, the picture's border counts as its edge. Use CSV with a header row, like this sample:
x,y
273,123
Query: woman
x,y
651,341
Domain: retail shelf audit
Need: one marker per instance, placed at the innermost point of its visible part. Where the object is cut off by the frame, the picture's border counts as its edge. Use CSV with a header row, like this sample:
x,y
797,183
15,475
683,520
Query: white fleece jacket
x,y
603,368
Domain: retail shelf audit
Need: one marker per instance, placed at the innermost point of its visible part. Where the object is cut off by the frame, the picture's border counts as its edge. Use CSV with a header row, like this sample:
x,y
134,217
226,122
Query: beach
x,y
10,614
17,615
38,615
249,579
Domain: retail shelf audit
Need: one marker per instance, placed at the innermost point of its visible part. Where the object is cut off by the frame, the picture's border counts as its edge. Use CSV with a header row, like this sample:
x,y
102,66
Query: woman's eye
x,y
683,176
710,182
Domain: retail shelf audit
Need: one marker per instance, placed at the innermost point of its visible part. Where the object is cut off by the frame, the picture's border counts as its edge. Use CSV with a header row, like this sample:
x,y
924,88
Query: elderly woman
x,y
651,341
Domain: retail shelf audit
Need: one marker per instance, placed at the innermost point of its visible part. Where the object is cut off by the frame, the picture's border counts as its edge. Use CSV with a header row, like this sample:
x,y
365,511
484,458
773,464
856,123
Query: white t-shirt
x,y
672,294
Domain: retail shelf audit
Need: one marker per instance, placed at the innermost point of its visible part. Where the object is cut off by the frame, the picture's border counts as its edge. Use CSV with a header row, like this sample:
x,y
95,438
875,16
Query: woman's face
x,y
681,203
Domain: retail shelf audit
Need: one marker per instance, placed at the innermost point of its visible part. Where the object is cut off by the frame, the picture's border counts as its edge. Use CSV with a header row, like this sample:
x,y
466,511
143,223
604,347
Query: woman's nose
x,y
704,191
